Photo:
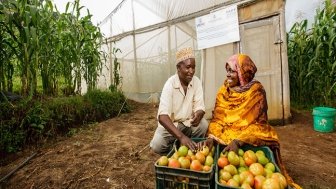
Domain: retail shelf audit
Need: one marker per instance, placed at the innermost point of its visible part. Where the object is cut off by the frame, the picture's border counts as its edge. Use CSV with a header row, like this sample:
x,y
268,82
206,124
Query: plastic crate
x,y
167,177
268,153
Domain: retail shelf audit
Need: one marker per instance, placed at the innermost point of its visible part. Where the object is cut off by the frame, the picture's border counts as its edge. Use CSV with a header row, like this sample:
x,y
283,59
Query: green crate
x,y
167,177
268,153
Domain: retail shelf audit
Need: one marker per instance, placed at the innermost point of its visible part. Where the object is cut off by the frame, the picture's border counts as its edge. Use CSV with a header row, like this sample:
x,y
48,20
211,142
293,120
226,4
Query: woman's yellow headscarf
x,y
245,67
241,112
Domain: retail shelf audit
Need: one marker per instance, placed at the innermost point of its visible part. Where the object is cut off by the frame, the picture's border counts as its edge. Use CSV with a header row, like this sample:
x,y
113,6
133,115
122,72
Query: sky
x,y
296,10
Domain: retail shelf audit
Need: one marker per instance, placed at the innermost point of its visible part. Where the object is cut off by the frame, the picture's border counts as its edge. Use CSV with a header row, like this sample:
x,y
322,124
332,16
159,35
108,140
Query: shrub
x,y
105,103
30,121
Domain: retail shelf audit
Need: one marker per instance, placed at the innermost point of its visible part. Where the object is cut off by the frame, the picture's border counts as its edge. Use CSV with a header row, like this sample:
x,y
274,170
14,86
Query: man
x,y
181,107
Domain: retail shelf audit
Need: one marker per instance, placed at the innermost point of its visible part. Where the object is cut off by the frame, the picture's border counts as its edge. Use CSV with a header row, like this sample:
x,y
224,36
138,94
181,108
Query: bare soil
x,y
114,154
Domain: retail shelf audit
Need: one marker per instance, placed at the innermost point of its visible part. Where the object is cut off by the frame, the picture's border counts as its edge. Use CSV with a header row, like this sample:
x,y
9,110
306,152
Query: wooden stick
x,y
18,167
6,99
122,107
138,152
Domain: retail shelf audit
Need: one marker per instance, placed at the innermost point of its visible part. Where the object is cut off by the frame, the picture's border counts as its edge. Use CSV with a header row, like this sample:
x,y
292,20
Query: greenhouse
x,y
149,33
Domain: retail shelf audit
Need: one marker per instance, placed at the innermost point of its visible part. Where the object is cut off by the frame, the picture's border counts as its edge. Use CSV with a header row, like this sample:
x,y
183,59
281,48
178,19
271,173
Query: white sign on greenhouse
x,y
217,28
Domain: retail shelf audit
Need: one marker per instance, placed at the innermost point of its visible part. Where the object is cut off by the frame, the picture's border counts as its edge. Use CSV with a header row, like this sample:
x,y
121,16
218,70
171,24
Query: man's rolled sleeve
x,y
198,98
165,107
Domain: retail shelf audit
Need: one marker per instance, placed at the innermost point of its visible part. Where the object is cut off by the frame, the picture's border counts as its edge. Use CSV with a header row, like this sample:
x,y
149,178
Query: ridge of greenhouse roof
x,y
179,19
112,12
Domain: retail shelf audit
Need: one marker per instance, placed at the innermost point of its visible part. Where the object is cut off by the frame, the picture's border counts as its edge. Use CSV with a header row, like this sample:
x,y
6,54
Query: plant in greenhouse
x,y
116,78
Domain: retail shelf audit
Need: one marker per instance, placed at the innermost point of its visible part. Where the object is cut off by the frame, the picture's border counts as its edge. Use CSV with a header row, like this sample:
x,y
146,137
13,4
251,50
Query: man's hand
x,y
196,118
208,142
184,140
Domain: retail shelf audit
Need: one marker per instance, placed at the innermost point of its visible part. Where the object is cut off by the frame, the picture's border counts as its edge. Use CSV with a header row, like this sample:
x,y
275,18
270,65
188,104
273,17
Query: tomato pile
x,y
202,160
248,170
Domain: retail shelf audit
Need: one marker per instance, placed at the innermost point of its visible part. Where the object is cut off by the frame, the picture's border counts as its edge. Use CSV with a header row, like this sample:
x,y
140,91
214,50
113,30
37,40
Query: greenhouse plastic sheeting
x,y
150,12
148,58
149,33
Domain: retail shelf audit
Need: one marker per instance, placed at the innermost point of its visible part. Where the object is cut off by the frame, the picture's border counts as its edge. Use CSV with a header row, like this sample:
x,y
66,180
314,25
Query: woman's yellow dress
x,y
241,113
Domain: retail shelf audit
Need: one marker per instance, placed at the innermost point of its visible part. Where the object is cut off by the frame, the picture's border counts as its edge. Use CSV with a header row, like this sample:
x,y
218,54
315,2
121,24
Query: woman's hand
x,y
233,146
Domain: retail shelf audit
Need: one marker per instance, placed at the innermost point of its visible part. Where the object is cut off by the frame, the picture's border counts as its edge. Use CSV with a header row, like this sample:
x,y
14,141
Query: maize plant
x,y
40,44
312,59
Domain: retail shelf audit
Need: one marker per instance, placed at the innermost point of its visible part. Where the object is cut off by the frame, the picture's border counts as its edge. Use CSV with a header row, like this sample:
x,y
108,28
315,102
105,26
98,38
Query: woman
x,y
240,114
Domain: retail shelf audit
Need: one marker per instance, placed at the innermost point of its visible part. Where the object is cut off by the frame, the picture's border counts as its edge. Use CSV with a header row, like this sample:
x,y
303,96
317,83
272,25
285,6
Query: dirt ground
x,y
113,154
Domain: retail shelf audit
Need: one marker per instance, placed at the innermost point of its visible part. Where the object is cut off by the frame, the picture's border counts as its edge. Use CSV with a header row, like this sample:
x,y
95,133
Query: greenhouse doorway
x,y
261,41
